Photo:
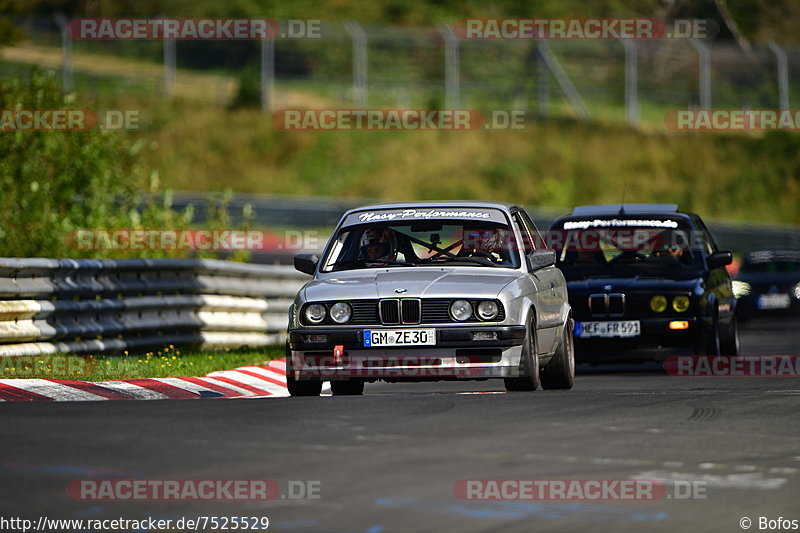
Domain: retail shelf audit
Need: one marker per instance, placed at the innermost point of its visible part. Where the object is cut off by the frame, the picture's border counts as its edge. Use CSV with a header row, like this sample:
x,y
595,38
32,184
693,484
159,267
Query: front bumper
x,y
455,356
656,341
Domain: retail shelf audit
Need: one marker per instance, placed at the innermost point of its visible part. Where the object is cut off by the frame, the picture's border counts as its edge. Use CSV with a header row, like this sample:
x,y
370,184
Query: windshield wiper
x,y
483,261
381,261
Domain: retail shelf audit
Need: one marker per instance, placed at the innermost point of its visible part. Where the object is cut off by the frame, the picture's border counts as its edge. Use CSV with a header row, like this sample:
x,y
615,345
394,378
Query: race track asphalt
x,y
389,461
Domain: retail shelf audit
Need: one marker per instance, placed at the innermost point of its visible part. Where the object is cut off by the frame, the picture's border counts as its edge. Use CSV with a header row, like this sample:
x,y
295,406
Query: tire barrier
x,y
52,306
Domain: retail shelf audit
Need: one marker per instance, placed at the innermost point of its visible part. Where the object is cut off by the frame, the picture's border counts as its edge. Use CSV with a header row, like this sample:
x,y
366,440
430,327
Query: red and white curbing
x,y
254,381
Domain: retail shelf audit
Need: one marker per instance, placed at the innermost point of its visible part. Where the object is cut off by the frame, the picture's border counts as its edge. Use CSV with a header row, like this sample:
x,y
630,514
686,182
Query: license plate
x,y
618,328
400,337
773,301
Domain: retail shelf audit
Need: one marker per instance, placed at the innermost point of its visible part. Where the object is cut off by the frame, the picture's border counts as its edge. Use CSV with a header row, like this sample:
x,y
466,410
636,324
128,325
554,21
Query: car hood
x,y
635,284
765,279
418,282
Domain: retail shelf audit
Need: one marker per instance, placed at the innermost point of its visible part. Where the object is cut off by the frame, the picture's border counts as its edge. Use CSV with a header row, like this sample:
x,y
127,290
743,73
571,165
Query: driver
x,y
483,243
378,245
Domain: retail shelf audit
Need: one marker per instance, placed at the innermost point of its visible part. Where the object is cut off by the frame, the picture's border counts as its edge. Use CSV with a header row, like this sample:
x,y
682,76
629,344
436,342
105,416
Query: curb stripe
x,y
258,392
56,391
259,375
229,392
134,391
237,387
257,382
15,394
166,389
92,388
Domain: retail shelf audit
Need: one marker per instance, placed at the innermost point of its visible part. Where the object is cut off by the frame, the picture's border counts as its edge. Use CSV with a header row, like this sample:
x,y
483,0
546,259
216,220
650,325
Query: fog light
x,y
316,338
658,303
484,335
679,324
680,303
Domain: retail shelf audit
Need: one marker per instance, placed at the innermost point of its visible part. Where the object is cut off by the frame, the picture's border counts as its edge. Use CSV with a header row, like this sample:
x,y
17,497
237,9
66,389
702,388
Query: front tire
x,y
299,387
559,373
730,346
529,363
303,387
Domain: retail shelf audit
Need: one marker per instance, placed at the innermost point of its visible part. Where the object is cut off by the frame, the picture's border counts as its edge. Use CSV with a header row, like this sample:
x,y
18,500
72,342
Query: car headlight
x,y
315,313
658,303
796,291
742,288
340,312
680,303
488,310
461,310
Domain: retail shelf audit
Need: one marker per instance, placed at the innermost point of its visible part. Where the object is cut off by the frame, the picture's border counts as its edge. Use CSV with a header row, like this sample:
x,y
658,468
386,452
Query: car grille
x,y
607,304
399,311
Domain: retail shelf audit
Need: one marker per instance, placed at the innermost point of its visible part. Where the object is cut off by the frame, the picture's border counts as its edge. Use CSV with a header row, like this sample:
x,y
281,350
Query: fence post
x,y
783,74
631,82
169,66
268,73
566,85
704,66
360,81
452,72
66,51
542,85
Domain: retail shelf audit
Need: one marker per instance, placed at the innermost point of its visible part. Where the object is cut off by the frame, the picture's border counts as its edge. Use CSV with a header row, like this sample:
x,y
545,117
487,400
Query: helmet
x,y
489,240
379,244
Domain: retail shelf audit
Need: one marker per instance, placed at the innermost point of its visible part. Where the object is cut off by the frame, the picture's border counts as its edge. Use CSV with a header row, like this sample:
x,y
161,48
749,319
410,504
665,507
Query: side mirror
x,y
719,260
306,263
540,259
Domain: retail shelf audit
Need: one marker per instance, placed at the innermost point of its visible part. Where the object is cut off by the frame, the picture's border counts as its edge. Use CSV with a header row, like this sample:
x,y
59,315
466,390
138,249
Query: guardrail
x,y
81,306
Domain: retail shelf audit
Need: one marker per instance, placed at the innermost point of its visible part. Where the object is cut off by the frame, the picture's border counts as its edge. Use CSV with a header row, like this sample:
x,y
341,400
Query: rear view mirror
x,y
540,259
719,260
306,263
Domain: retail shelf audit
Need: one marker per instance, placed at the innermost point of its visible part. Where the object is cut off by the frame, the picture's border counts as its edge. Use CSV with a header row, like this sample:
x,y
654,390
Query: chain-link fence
x,y
347,65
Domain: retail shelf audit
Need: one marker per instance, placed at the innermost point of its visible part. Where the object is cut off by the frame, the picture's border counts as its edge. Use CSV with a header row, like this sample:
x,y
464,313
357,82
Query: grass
x,y
169,362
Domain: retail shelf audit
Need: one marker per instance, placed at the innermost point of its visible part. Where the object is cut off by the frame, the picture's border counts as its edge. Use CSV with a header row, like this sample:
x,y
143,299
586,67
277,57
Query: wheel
x,y
529,363
301,387
710,344
559,373
353,387
730,346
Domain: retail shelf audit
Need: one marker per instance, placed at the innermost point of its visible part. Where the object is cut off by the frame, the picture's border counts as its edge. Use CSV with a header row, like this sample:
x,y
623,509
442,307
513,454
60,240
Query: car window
x,y
538,242
528,243
423,243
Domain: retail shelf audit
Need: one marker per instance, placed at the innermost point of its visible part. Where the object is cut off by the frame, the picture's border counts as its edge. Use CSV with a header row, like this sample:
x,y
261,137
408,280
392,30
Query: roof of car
x,y
625,209
435,203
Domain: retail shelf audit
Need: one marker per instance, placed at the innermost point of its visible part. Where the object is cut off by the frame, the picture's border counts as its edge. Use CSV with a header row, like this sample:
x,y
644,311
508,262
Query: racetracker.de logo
x,y
107,29
752,366
377,119
586,28
559,489
191,490
732,119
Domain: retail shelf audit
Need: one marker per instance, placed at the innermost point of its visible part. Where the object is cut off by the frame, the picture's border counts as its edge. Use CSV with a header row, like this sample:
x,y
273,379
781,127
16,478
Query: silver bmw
x,y
431,291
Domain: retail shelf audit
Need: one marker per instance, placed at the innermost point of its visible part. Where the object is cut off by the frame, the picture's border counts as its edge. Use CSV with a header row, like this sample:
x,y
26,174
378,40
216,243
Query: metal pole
x,y
452,72
170,75
267,74
66,50
704,66
566,85
783,74
359,38
542,85
631,82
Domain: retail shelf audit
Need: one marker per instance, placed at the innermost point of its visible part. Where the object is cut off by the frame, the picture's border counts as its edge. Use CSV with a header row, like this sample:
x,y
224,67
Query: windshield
x,y
626,247
420,244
